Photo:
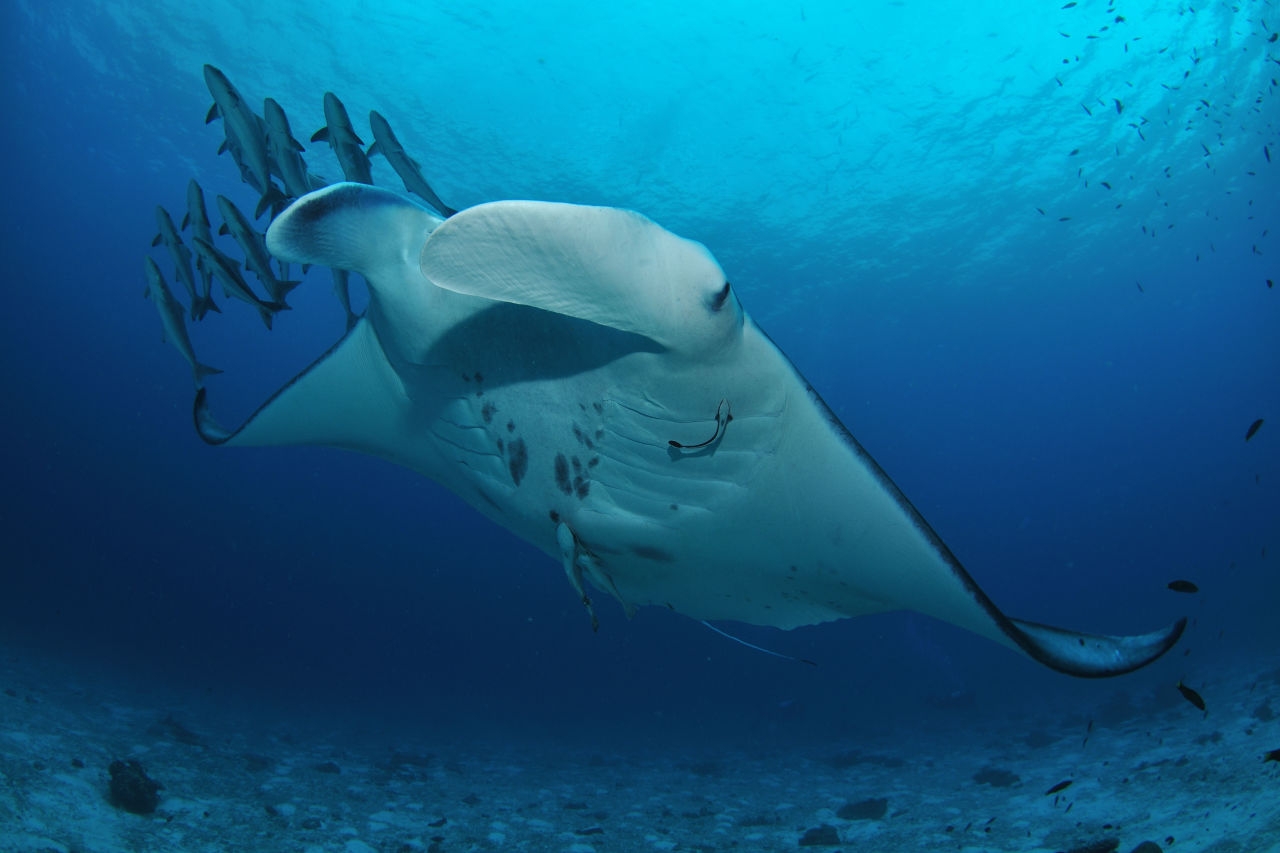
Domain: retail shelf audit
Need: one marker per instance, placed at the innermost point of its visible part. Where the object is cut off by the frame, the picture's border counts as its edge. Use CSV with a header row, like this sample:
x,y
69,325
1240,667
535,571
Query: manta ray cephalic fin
x,y
610,266
357,227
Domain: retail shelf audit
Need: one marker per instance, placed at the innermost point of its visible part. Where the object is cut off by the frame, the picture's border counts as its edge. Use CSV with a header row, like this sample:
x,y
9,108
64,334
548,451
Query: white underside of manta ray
x,y
590,381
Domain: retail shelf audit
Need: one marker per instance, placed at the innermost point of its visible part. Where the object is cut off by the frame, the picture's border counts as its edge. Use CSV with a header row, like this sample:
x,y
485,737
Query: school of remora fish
x,y
265,151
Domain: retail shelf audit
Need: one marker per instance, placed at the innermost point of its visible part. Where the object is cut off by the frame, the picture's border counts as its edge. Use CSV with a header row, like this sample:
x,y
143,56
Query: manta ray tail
x,y
743,642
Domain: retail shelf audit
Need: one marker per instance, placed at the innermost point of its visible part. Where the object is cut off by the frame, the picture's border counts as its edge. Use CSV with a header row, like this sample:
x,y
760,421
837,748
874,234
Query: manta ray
x,y
590,381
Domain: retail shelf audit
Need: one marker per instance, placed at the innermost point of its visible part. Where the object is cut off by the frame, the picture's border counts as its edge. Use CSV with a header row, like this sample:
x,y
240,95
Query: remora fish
x,y
590,381
386,144
168,234
246,136
286,152
342,138
256,256
198,218
233,284
171,319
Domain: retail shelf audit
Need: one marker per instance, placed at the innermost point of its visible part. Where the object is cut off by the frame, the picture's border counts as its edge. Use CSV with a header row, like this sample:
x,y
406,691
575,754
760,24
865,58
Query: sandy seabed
x,y
1149,783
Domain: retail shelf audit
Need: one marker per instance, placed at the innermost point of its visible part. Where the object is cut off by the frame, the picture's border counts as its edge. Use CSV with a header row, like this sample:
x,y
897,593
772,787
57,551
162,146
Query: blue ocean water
x,y
1025,254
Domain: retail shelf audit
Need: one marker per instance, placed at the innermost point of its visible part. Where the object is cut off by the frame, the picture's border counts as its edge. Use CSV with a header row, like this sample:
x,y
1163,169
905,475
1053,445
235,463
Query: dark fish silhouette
x,y
1183,586
1256,425
246,138
386,144
1273,755
1061,786
342,138
1191,696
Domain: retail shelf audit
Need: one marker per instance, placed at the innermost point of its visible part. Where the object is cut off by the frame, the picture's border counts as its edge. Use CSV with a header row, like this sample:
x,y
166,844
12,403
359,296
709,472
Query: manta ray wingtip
x,y
1094,655
206,427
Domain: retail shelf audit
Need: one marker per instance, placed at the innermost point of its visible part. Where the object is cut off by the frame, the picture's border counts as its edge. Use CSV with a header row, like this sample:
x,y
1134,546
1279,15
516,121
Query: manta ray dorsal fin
x,y
609,266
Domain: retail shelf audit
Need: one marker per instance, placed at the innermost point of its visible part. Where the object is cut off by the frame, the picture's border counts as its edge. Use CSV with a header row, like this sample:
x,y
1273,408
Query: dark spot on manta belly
x,y
487,412
517,460
511,426
649,552
562,474
577,484
555,517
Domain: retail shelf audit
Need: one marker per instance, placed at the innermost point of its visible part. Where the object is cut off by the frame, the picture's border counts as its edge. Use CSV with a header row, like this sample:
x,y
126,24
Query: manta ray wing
x,y
590,381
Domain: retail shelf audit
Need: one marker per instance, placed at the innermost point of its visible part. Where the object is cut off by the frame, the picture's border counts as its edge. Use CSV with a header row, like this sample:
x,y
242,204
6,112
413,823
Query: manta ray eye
x,y
717,301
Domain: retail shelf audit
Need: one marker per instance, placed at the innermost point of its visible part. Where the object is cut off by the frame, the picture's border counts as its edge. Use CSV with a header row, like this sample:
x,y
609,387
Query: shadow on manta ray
x,y
590,381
